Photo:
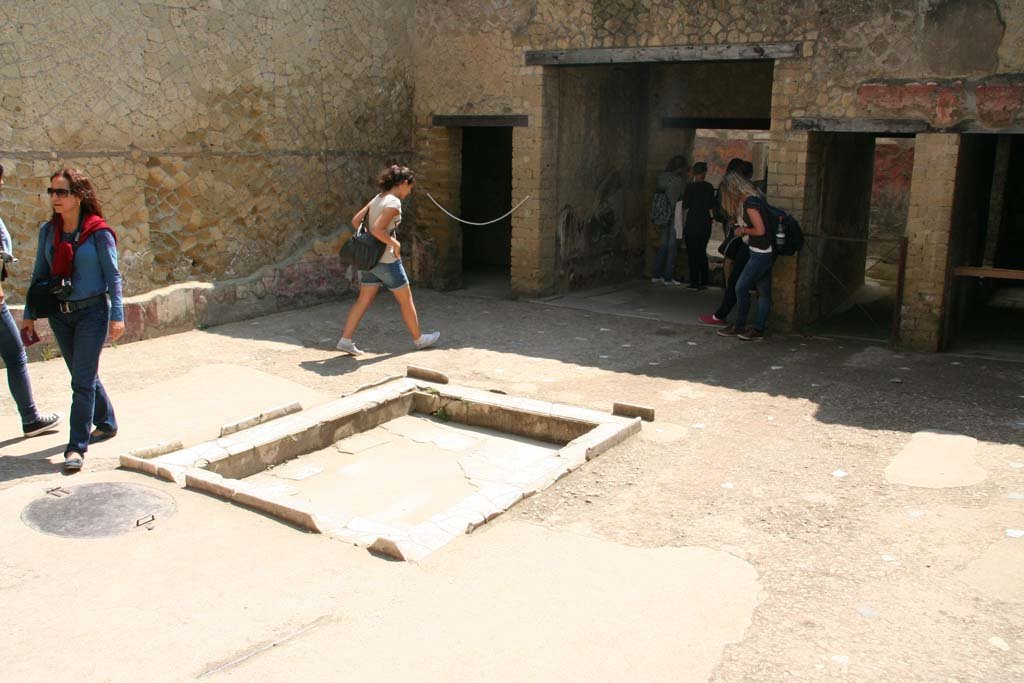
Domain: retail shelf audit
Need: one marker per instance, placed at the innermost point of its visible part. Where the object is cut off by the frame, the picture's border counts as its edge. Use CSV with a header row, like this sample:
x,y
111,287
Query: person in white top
x,y
385,213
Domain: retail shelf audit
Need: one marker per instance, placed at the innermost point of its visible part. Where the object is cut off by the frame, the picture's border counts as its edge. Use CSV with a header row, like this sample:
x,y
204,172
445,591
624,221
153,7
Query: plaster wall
x,y
847,160
602,146
890,189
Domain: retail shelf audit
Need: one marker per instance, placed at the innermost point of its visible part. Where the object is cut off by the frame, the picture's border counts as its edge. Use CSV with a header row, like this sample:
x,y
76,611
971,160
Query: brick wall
x,y
792,174
928,232
534,164
434,252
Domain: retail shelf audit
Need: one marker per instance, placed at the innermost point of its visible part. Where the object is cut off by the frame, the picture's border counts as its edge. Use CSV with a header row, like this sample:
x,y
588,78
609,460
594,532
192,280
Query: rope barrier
x,y
471,222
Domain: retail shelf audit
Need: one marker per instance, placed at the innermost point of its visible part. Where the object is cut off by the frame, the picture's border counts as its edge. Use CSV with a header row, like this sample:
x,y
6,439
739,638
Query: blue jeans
x,y
665,260
757,272
80,335
16,362
729,296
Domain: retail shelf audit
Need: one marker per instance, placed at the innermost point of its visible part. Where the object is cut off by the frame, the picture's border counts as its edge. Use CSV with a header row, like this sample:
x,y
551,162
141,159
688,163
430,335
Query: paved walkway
x,y
801,509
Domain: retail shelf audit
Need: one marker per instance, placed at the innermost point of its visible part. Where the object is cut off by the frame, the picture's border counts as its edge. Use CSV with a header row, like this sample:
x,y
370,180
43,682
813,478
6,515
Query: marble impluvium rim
x,y
217,467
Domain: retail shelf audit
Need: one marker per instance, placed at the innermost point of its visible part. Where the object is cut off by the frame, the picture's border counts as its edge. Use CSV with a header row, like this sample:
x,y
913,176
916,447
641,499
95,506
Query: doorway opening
x,y
852,271
985,296
486,193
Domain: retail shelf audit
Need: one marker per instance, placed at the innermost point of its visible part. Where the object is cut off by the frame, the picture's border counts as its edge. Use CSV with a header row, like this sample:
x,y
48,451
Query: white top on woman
x,y
377,205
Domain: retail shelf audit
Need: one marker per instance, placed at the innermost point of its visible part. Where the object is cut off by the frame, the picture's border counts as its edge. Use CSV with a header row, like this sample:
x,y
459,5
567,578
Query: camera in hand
x,y
60,287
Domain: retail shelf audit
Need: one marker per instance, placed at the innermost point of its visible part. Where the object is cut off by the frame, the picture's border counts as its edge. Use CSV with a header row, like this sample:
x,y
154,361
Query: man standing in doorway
x,y
699,205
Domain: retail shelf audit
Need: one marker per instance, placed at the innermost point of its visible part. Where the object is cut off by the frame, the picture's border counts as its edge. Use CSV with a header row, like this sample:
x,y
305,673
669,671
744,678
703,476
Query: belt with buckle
x,y
72,306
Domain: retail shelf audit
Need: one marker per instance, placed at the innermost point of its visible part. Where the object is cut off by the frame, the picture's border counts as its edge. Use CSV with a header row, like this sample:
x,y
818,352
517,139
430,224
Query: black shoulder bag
x,y
45,296
362,250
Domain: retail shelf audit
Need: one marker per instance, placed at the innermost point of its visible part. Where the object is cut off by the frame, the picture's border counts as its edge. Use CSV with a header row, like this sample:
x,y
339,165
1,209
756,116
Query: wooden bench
x,y
995,273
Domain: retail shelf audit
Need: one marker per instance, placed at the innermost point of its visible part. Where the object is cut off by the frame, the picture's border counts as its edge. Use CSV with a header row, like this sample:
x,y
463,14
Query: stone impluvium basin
x,y
400,468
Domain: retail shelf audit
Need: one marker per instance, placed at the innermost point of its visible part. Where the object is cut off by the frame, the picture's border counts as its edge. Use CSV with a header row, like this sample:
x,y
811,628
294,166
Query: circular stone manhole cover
x,y
97,510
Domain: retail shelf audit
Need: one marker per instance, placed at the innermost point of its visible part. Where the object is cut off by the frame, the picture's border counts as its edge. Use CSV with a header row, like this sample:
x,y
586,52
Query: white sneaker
x,y
349,347
427,340
657,281
673,283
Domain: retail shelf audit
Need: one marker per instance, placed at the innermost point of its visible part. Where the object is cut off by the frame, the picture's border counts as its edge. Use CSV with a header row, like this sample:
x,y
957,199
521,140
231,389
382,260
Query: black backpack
x,y
784,230
661,208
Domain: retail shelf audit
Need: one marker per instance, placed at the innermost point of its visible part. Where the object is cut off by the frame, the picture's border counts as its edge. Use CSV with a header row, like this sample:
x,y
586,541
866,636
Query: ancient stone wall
x,y
860,58
224,136
469,54
227,136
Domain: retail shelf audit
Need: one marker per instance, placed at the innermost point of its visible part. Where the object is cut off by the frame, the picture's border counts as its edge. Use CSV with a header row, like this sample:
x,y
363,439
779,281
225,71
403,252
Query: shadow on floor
x,y
649,331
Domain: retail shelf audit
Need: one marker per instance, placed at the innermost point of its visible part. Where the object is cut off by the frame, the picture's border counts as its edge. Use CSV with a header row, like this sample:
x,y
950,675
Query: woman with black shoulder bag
x,y
75,272
382,216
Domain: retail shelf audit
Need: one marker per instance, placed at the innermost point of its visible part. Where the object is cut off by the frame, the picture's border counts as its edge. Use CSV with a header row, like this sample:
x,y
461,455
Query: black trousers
x,y
729,296
697,238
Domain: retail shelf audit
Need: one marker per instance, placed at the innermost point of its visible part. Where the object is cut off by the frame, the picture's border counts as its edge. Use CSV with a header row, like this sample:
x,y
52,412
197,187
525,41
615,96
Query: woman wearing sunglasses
x,y
78,248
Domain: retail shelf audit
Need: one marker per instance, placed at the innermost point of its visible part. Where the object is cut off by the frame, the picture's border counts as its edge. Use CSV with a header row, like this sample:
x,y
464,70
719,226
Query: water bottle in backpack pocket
x,y
787,237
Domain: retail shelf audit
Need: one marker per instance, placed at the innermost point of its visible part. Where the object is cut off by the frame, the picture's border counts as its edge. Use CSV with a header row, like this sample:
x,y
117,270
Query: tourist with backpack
x,y
740,198
668,190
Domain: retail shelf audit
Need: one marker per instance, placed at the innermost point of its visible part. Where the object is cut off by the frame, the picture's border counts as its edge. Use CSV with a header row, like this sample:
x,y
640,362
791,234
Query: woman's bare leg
x,y
367,293
409,315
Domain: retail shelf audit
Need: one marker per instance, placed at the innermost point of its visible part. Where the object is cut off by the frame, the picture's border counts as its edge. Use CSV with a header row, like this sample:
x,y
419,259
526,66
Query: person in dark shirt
x,y
699,204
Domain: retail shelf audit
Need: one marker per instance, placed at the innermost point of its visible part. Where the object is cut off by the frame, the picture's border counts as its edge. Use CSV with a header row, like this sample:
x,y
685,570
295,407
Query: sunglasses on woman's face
x,y
59,191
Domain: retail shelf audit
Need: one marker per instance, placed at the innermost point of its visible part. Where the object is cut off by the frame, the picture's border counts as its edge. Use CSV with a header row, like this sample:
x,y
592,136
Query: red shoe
x,y
711,320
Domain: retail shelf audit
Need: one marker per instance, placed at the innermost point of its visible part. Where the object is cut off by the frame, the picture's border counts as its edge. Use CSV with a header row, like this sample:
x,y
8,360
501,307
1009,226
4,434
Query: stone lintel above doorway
x,y
668,53
894,127
480,121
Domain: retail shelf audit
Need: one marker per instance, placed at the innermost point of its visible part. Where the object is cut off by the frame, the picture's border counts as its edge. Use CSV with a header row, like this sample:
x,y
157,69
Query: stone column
x,y
534,152
929,225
